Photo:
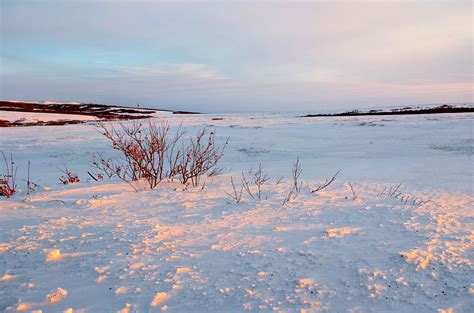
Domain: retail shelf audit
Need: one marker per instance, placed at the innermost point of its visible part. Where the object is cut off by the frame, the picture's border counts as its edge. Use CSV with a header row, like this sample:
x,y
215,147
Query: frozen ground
x,y
101,247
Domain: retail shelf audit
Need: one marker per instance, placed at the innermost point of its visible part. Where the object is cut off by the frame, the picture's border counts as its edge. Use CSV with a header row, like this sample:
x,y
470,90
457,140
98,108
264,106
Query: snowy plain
x,y
102,247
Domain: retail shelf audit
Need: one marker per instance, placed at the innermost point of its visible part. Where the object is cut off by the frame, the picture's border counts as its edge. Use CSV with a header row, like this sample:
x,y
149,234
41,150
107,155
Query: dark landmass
x,y
20,123
185,112
445,108
100,111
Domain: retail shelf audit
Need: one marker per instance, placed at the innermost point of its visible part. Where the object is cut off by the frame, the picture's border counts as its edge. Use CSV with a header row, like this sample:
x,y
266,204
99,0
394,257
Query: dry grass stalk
x,y
258,179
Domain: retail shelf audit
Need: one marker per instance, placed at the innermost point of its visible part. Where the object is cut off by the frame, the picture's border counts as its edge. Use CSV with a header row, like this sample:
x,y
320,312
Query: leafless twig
x,y
326,184
297,184
279,180
236,194
354,196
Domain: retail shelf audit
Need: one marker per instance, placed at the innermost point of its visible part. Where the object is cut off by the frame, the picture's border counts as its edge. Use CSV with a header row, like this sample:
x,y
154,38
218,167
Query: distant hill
x,y
100,111
71,110
445,108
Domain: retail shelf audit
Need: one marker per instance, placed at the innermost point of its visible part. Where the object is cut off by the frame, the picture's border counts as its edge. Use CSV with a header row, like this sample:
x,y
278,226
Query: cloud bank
x,y
219,56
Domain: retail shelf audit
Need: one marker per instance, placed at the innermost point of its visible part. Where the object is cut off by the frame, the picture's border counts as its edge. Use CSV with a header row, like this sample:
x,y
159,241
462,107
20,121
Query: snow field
x,y
101,247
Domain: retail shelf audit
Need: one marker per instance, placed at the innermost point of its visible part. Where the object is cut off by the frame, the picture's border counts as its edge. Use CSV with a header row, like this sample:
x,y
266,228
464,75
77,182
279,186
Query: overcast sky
x,y
240,56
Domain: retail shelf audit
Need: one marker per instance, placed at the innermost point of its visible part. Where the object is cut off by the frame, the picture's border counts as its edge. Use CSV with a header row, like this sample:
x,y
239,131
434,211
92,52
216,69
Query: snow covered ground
x,y
101,247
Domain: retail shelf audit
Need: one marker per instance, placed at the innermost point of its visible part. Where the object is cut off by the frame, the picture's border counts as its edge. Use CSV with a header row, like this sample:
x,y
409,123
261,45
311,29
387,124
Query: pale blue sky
x,y
238,56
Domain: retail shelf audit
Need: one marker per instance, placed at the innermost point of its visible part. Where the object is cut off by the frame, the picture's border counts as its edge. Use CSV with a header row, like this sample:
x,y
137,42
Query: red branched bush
x,y
200,157
69,177
154,153
7,179
6,189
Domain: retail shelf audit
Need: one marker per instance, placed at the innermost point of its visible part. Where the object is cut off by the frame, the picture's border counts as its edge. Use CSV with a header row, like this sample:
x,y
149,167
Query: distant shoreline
x,y
100,111
445,108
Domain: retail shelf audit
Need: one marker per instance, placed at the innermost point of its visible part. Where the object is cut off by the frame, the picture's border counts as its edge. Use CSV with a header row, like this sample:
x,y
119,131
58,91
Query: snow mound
x,y
160,298
56,295
341,232
53,255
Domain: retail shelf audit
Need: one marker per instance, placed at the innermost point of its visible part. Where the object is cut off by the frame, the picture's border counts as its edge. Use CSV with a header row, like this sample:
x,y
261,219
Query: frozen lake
x,y
418,151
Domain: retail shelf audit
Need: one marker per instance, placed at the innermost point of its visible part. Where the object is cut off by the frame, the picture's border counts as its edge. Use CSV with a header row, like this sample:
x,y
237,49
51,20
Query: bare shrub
x,y
326,184
258,179
8,185
296,171
69,177
143,149
200,157
153,153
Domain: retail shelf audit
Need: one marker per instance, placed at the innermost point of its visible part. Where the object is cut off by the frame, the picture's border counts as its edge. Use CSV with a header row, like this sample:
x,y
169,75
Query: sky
x,y
242,56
